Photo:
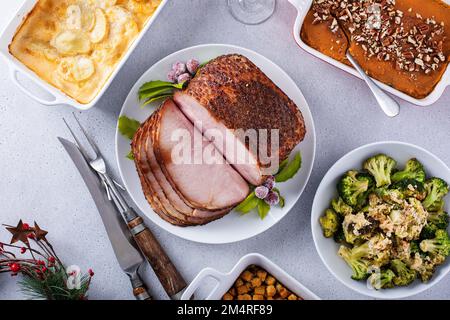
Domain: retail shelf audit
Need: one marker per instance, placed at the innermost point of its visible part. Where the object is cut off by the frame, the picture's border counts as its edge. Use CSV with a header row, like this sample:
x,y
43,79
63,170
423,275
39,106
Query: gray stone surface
x,y
37,181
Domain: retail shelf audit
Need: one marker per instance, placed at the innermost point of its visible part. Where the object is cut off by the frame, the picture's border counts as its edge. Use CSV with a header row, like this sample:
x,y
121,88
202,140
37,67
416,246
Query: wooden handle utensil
x,y
166,272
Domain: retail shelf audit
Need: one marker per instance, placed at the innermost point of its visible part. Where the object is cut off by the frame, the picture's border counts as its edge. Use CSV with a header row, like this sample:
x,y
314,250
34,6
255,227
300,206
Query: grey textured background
x,y
37,181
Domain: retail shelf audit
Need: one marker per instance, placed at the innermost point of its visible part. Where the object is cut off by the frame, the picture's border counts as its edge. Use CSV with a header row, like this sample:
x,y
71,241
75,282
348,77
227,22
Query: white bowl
x,y
328,249
226,280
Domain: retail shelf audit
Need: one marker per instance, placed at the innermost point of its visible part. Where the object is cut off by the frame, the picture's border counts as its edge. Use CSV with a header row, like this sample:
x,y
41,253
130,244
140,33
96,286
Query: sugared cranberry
x,y
192,66
261,192
272,198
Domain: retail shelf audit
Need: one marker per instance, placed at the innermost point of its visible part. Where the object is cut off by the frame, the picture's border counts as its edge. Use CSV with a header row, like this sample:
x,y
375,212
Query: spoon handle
x,y
390,107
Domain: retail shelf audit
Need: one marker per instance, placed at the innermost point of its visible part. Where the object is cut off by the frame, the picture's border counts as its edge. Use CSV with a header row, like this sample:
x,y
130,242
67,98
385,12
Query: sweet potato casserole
x,y
403,43
76,44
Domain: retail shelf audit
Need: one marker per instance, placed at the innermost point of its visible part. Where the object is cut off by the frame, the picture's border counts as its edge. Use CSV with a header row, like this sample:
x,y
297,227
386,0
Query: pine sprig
x,y
44,278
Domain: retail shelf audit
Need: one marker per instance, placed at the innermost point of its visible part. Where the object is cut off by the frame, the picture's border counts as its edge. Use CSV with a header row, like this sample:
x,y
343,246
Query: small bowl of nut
x,y
254,277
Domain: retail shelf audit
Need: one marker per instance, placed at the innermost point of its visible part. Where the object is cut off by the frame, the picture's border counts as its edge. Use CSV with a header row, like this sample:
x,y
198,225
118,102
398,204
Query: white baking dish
x,y
226,280
303,6
59,98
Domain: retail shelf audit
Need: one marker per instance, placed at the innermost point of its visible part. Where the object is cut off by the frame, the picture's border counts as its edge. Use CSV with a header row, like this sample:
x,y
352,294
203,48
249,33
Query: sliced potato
x,y
73,20
72,42
122,23
44,49
83,68
76,69
101,26
87,16
103,3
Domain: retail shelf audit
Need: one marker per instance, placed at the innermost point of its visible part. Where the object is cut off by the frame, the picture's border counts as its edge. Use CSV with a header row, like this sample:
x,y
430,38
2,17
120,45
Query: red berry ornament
x,y
14,267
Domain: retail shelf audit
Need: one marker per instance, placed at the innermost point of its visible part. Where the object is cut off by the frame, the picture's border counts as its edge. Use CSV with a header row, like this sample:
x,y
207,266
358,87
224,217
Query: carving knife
x,y
129,258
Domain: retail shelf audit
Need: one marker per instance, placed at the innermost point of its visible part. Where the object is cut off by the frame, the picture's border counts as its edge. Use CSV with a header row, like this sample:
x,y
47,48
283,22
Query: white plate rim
x,y
375,294
306,114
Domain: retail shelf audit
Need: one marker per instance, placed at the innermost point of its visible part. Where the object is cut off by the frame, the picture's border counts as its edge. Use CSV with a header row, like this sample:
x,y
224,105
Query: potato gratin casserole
x,y
76,44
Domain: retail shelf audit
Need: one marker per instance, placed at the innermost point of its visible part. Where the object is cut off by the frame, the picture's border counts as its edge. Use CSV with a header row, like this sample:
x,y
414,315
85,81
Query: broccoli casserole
x,y
390,223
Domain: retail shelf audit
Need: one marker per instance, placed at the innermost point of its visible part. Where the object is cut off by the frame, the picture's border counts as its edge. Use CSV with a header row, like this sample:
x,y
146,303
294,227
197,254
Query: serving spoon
x,y
389,106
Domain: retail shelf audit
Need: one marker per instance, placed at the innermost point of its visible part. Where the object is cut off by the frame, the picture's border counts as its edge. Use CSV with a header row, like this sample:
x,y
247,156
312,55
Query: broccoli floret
x,y
330,223
437,206
428,231
414,247
413,170
352,188
391,196
359,266
403,275
439,245
380,167
439,219
341,207
339,236
426,265
382,280
436,191
411,188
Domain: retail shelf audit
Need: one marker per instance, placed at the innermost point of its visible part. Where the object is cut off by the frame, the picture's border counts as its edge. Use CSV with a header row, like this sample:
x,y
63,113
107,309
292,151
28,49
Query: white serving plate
x,y
226,280
328,249
58,97
233,227
303,6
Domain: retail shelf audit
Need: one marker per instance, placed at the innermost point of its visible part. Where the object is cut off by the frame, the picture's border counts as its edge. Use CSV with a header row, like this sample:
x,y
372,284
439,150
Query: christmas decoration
x,y
43,275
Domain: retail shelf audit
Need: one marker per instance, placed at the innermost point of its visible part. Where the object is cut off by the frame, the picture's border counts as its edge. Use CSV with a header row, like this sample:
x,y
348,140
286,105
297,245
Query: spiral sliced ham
x,y
229,94
188,175
177,200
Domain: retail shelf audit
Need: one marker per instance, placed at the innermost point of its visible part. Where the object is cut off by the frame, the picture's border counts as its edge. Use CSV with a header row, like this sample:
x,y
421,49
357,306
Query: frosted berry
x,y
23,250
26,226
261,192
51,259
192,66
270,182
171,76
179,68
272,198
91,273
184,77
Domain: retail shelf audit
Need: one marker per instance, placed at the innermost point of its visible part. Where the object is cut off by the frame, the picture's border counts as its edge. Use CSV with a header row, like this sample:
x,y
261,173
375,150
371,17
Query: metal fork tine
x,y
88,138
80,146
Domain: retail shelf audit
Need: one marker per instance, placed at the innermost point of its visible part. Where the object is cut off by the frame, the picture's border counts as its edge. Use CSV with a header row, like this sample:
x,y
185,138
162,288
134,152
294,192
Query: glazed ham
x,y
194,156
231,95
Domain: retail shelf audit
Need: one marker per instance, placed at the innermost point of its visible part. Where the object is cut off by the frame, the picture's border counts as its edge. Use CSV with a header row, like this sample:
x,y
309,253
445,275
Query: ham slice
x,y
156,195
230,95
205,181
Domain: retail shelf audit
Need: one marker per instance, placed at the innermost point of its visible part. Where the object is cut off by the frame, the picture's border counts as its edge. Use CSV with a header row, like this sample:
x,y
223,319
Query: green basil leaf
x,y
128,127
159,84
263,208
164,96
130,155
290,169
155,92
282,165
282,200
248,204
